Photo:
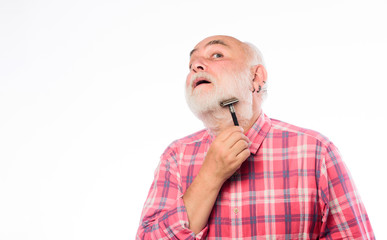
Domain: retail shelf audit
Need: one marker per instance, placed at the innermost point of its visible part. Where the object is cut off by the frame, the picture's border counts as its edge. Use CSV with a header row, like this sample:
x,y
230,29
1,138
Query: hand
x,y
226,154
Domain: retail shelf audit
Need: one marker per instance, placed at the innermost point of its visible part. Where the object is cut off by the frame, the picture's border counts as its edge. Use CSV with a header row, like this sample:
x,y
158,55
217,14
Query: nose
x,y
198,65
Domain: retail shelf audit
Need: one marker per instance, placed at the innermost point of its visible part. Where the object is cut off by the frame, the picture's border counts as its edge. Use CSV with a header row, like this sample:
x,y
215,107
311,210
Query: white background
x,y
91,93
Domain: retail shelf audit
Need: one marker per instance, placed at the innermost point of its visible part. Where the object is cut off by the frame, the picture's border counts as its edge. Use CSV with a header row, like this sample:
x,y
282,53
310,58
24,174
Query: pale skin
x,y
230,147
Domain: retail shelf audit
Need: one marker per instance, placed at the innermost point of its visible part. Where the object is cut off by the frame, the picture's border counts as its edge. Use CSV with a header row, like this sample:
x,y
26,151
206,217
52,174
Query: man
x,y
262,179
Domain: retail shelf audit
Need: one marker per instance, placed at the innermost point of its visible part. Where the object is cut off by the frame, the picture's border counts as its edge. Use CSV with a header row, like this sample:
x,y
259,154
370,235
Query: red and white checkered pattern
x,y
294,185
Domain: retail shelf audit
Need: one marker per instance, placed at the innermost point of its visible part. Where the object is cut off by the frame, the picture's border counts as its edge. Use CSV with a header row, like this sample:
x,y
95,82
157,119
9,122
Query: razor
x,y
230,104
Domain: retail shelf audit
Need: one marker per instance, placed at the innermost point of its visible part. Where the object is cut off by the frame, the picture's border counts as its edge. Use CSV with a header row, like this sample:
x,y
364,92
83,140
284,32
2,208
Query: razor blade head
x,y
228,102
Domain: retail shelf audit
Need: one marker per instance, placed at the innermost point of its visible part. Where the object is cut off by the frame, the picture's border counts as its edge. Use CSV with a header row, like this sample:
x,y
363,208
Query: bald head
x,y
248,51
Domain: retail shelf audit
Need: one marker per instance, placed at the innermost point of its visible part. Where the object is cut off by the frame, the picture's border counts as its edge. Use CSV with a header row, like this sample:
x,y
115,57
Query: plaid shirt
x,y
294,185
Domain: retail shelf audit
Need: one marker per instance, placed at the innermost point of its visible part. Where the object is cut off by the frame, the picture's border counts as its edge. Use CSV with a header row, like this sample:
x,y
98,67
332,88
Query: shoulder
x,y
192,139
280,127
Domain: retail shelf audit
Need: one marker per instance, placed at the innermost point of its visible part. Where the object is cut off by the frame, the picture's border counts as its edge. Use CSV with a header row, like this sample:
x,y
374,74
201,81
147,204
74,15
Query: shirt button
x,y
236,211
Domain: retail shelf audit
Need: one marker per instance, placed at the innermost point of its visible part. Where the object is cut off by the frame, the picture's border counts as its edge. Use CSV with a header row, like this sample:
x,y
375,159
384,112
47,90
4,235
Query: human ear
x,y
260,76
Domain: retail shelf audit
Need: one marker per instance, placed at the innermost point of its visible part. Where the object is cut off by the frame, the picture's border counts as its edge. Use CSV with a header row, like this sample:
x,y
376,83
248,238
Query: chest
x,y
274,193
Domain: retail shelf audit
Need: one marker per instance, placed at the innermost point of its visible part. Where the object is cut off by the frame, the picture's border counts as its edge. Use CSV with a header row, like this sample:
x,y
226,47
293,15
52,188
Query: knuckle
x,y
230,158
245,144
247,152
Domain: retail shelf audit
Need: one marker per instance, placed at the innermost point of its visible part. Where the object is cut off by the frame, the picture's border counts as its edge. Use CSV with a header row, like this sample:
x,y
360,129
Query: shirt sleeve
x,y
343,213
164,215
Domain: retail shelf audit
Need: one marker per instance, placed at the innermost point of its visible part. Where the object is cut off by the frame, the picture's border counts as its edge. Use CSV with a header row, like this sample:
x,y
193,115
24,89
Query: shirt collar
x,y
258,132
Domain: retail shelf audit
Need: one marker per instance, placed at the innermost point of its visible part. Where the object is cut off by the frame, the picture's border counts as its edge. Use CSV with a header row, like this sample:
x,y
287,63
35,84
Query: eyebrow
x,y
213,42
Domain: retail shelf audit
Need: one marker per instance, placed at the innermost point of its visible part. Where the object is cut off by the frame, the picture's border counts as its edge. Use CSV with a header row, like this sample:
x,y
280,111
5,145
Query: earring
x,y
259,89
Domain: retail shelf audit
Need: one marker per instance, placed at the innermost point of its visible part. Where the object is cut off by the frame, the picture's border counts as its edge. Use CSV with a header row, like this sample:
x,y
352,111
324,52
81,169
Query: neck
x,y
216,122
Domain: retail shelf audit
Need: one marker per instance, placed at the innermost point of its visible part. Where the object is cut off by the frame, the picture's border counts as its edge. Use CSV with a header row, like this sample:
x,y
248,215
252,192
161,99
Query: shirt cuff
x,y
176,223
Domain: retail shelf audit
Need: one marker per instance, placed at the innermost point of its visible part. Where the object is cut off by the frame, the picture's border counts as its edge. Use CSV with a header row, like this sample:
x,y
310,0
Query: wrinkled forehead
x,y
229,42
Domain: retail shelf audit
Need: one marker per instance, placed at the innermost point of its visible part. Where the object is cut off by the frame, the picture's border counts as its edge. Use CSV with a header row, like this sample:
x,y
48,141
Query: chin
x,y
214,117
202,102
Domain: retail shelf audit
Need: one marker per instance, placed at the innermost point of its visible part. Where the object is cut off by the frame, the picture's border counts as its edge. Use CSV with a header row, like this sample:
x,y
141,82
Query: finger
x,y
243,155
225,134
239,147
234,138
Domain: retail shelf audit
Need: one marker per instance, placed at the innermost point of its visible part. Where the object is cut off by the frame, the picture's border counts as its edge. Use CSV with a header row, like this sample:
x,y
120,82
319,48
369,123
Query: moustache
x,y
201,76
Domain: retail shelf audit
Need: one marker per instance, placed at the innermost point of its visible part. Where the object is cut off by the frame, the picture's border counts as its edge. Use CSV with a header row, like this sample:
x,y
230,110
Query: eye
x,y
217,55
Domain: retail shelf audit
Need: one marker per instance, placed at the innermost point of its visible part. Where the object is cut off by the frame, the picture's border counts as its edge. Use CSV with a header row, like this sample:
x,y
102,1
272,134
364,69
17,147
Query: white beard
x,y
206,105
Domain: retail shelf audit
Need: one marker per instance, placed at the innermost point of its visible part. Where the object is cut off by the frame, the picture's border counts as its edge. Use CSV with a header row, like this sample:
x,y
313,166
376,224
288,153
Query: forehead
x,y
225,41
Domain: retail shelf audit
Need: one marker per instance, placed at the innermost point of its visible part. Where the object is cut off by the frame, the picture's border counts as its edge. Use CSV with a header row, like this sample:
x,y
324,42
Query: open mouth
x,y
200,82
